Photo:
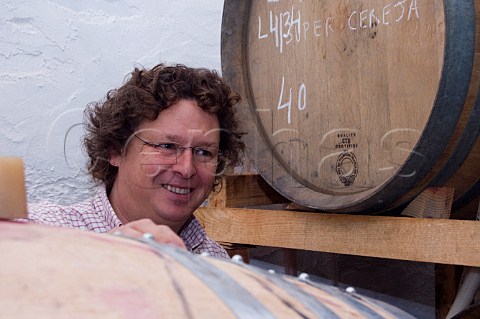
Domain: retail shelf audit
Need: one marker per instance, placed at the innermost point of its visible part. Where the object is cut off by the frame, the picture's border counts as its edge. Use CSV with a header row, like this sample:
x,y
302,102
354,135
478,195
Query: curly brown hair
x,y
111,122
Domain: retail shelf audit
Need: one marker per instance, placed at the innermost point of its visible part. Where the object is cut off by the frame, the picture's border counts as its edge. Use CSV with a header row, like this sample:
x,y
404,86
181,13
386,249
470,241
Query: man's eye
x,y
166,146
204,152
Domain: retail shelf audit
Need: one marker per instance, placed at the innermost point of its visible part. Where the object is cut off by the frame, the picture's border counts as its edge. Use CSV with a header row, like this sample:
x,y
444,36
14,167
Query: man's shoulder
x,y
60,215
93,214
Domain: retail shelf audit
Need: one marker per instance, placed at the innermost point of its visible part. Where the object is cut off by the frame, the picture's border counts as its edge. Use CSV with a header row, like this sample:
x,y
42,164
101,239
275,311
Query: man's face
x,y
166,191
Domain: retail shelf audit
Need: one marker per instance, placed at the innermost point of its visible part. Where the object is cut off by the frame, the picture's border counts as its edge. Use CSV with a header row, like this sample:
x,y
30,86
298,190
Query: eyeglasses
x,y
168,152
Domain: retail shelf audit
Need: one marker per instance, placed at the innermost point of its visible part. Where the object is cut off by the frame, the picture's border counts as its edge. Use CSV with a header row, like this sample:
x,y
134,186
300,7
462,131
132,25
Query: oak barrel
x,y
357,106
53,273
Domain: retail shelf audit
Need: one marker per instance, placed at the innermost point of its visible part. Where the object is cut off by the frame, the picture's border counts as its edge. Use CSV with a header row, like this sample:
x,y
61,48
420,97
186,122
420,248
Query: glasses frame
x,y
179,149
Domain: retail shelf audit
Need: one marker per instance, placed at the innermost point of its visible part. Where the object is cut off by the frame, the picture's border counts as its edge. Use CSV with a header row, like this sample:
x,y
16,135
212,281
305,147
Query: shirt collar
x,y
105,209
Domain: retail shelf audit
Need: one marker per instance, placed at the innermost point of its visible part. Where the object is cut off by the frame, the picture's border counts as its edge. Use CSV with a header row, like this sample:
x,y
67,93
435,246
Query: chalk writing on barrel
x,y
286,27
301,99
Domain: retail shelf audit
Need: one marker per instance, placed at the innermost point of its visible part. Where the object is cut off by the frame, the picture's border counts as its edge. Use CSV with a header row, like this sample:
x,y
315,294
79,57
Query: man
x,y
159,145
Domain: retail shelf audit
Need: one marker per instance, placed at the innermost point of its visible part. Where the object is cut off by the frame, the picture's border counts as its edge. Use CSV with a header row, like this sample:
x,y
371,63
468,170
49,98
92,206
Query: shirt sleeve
x,y
212,248
197,241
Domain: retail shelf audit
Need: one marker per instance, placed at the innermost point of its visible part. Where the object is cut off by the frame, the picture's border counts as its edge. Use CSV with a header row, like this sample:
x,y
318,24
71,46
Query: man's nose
x,y
185,164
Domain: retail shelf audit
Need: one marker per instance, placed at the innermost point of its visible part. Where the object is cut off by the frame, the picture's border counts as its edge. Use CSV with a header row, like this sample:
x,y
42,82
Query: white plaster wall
x,y
56,56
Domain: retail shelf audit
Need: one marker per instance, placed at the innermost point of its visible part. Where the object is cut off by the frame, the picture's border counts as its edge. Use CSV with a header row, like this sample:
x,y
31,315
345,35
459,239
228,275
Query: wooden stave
x,y
399,191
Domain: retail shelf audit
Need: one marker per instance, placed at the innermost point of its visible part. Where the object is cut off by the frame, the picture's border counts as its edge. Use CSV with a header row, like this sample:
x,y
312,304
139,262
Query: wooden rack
x,y
434,239
233,218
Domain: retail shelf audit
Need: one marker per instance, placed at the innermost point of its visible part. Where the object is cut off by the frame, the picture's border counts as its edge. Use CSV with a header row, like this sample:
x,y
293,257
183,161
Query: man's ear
x,y
115,159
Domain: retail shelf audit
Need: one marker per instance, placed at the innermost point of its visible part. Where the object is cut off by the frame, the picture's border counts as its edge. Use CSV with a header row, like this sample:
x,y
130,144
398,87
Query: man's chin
x,y
177,214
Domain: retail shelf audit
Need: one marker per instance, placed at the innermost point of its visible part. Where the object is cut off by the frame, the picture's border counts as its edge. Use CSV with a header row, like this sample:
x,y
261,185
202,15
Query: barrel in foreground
x,y
63,273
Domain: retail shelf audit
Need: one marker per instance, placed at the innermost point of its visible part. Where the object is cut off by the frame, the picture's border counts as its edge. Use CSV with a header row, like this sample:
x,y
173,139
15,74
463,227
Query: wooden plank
x,y
446,284
245,190
290,261
453,242
433,202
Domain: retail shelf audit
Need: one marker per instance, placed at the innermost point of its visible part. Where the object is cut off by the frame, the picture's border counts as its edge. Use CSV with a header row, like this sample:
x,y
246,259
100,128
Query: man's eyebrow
x,y
176,138
173,137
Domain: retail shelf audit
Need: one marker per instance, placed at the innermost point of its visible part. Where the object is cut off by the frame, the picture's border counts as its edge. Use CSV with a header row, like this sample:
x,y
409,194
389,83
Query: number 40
x,y
301,101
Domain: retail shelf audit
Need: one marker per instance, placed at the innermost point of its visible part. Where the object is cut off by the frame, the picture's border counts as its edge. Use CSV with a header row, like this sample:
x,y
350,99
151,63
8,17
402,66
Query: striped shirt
x,y
96,214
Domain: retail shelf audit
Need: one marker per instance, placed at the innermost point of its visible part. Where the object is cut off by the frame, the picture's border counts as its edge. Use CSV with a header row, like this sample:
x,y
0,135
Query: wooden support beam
x,y
436,202
245,190
443,241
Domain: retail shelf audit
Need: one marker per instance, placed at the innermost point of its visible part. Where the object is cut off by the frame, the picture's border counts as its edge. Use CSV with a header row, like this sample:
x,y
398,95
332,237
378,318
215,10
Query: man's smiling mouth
x,y
177,190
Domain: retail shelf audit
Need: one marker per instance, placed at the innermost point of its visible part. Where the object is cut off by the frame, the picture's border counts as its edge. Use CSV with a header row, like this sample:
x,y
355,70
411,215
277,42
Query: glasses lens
x,y
157,156
207,155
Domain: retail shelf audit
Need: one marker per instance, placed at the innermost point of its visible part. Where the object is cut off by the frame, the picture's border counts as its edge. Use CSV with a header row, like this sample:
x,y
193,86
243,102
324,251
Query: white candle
x,y
13,203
